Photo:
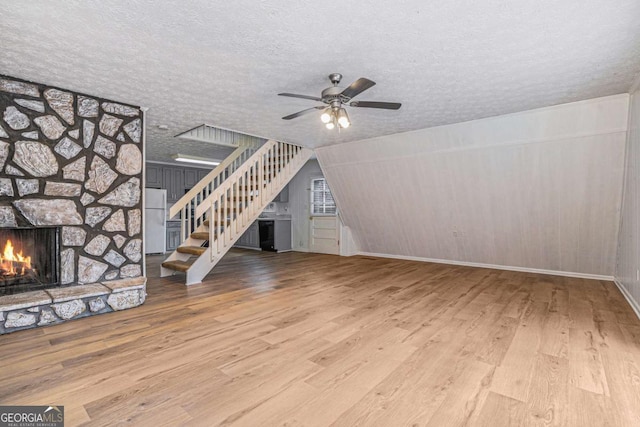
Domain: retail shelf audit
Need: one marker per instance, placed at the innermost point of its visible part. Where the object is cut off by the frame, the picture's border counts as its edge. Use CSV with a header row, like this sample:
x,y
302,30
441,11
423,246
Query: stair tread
x,y
192,250
177,265
200,235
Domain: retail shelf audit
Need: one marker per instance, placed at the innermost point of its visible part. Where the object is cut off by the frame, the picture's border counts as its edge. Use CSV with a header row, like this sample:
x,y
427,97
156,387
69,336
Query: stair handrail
x,y
270,164
187,204
210,177
204,206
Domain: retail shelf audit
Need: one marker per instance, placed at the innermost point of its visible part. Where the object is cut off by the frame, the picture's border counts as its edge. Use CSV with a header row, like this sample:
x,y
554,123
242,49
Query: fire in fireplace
x,y
14,264
29,259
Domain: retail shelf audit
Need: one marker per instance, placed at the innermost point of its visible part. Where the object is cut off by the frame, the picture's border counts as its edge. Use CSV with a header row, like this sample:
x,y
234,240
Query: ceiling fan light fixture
x,y
343,118
326,116
330,125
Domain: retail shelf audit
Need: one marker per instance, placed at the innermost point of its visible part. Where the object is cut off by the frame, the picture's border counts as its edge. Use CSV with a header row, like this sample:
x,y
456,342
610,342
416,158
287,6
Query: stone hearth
x,y
74,161
51,306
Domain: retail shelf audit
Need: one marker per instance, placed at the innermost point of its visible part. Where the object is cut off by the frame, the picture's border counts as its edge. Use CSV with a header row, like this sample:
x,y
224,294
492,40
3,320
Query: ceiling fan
x,y
336,97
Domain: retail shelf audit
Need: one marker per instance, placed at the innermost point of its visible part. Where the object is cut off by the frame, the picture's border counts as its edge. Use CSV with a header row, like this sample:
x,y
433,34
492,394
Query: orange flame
x,y
9,259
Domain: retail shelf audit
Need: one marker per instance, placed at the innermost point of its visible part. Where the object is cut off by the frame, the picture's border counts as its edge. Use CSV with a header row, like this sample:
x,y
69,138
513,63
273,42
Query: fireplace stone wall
x,y
74,160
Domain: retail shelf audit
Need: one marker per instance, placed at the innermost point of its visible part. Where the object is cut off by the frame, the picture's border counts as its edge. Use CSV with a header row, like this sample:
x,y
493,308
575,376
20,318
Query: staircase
x,y
220,208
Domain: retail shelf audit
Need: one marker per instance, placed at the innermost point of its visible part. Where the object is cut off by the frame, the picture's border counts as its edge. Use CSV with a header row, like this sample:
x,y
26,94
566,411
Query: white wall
x,y
539,189
628,266
299,200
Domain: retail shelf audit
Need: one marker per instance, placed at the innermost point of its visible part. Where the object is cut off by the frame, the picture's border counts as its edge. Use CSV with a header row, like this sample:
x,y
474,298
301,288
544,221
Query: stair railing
x,y
188,203
245,193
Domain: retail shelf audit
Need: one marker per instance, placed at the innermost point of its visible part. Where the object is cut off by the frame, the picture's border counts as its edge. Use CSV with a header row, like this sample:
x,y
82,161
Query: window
x,y
322,202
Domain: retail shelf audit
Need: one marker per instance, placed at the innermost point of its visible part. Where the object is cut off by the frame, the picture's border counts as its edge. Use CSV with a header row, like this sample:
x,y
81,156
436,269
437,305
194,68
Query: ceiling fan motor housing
x,y
332,94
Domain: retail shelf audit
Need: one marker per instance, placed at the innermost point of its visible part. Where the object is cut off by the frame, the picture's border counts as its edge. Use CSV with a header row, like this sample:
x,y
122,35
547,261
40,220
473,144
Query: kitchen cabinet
x,y
283,196
250,238
153,176
190,178
173,235
282,235
202,173
173,181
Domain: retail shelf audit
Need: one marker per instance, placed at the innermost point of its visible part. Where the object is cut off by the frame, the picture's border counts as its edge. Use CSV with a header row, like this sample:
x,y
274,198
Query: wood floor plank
x,y
244,391
416,389
587,371
547,399
559,303
272,411
513,377
500,411
338,393
307,339
386,345
518,303
621,368
463,401
490,334
595,410
555,335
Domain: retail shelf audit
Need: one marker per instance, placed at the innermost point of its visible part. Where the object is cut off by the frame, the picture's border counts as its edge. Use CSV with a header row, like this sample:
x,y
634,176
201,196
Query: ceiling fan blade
x,y
295,95
376,104
357,87
303,112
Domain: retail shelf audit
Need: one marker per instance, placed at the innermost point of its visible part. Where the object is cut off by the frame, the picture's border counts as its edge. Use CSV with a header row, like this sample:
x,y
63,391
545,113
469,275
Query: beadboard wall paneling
x,y
538,189
299,201
628,265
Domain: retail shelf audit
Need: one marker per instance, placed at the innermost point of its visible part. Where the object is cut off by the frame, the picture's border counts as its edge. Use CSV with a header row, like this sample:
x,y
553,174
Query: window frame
x,y
324,205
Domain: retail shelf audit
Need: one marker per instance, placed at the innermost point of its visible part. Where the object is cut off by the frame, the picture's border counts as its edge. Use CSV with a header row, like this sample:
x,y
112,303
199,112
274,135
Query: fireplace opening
x,y
29,259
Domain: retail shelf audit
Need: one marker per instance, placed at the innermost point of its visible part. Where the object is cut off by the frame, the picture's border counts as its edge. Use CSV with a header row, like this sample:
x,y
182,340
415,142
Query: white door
x,y
325,226
325,235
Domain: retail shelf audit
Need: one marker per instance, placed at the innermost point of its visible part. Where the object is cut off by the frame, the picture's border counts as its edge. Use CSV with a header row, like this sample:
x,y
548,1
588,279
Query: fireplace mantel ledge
x,y
55,305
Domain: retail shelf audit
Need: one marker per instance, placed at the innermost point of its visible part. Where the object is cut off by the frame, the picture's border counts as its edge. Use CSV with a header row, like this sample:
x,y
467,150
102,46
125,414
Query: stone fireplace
x,y
70,205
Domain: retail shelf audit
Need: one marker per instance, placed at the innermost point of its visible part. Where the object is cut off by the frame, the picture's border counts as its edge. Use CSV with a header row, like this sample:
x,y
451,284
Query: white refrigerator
x,y
155,221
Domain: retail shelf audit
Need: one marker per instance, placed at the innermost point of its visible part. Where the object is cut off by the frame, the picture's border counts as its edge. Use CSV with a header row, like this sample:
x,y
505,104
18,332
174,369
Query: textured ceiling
x,y
223,63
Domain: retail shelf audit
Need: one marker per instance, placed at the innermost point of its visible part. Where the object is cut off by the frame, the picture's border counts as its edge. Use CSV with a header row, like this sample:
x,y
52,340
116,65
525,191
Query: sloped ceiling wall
x,y
628,266
538,189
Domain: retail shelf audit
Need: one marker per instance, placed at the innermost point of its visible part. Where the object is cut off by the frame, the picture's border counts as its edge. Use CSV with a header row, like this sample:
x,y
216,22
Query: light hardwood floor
x,y
302,339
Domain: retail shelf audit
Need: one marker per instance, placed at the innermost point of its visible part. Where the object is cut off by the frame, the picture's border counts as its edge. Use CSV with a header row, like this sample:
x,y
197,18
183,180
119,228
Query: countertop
x,y
274,217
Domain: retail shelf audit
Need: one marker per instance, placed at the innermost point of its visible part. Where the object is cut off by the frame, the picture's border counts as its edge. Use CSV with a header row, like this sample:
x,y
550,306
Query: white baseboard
x,y
632,302
493,266
246,247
